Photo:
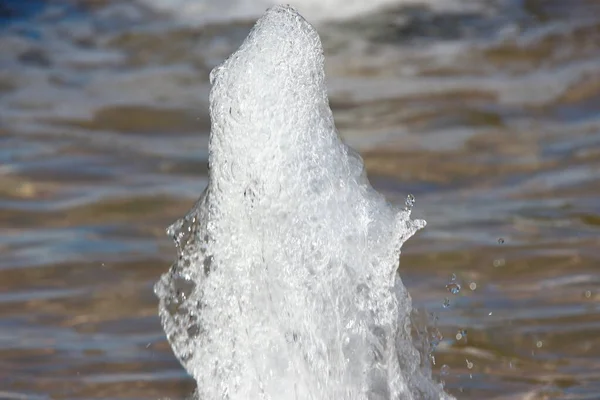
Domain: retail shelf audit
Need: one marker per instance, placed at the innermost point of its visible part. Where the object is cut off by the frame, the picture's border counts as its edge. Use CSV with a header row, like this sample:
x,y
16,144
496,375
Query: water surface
x,y
487,115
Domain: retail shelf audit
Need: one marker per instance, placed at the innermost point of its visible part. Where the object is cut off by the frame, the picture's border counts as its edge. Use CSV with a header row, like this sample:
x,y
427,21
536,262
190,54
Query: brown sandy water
x,y
490,118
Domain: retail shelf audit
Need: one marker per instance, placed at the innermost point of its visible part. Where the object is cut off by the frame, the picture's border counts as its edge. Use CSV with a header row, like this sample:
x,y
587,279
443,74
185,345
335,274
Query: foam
x,y
286,285
194,11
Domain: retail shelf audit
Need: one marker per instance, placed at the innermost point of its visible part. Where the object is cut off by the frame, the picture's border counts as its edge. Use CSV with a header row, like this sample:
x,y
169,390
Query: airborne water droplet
x,y
445,370
501,241
446,303
453,286
410,201
435,339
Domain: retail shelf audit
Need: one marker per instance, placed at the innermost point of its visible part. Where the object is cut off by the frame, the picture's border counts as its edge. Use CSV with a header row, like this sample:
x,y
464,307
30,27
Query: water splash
x,y
286,283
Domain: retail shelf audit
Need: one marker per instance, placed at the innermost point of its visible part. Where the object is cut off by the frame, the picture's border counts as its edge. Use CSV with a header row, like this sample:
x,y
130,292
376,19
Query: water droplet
x,y
587,294
461,334
472,286
435,338
539,344
445,370
490,313
499,262
469,364
410,201
453,287
501,241
446,303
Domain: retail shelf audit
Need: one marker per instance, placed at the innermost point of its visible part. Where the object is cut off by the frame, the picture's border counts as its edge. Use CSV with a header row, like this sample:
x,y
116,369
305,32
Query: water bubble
x,y
472,286
501,241
212,77
539,344
587,294
183,286
207,263
461,334
446,303
171,305
410,201
469,364
445,370
193,331
499,262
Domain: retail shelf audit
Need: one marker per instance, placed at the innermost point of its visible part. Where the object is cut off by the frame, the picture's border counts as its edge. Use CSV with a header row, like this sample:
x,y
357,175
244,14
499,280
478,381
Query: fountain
x,y
286,283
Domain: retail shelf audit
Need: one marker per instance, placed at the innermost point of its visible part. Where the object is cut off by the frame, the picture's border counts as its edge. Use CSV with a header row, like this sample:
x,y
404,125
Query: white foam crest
x,y
286,286
194,11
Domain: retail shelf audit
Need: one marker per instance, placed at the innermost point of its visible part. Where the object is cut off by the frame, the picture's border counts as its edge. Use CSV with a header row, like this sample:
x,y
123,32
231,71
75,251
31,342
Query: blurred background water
x,y
487,111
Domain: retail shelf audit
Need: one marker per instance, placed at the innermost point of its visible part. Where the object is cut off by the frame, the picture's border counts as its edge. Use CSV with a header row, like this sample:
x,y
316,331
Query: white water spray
x,y
286,286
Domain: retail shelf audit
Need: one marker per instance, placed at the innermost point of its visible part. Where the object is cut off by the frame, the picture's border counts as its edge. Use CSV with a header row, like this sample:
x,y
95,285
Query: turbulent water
x,y
286,286
486,111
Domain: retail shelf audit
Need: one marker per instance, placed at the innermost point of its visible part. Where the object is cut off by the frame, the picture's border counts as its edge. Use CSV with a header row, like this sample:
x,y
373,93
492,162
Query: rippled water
x,y
487,112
